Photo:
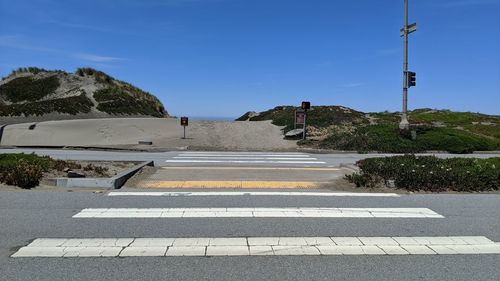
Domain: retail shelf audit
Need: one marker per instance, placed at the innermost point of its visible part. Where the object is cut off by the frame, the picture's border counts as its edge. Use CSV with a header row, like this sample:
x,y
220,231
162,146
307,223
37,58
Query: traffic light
x,y
412,79
306,105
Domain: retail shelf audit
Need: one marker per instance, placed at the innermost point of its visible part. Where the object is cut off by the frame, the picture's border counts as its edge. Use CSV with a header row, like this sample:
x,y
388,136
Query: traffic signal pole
x,y
305,131
404,124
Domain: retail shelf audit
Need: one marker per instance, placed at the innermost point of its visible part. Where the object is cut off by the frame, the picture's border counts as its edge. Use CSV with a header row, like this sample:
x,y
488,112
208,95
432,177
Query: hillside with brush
x,y
342,128
33,93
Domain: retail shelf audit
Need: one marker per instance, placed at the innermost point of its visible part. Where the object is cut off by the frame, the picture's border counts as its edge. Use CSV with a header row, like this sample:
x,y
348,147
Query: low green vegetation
x,y
26,170
429,173
387,138
429,116
25,92
23,170
31,70
485,130
114,100
476,123
318,116
99,76
28,88
120,97
70,105
341,128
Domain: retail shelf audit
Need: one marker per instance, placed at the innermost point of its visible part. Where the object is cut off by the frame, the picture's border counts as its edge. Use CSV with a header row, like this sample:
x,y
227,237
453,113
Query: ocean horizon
x,y
212,118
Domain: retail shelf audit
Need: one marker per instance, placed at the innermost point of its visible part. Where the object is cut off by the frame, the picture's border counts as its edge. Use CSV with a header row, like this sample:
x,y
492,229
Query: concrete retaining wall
x,y
110,183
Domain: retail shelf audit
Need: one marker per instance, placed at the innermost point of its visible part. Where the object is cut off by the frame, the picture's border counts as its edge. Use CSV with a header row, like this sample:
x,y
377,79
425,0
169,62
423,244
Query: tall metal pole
x,y
404,124
305,131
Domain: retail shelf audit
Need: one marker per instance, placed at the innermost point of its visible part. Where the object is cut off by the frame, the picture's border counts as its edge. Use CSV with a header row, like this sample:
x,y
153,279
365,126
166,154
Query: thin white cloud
x,y
96,58
17,42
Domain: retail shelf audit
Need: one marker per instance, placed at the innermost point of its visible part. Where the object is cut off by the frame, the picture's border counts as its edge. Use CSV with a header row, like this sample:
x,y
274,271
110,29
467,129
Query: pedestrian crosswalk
x,y
242,170
256,246
244,158
210,245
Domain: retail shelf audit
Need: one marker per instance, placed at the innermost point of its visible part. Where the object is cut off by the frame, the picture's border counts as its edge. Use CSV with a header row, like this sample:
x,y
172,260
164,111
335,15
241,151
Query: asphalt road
x,y
26,215
172,158
29,215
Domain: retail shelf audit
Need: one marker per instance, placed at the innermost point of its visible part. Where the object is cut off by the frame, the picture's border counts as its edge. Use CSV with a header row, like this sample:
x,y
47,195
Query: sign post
x,y
305,106
184,124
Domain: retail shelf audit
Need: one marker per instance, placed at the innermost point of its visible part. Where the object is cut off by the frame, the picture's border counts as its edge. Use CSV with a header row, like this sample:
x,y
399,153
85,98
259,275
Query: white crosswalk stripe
x,y
251,193
257,213
258,246
245,161
244,158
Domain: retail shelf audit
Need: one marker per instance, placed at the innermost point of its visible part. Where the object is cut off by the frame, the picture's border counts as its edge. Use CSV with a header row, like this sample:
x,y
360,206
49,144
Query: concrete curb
x,y
1,132
351,167
109,183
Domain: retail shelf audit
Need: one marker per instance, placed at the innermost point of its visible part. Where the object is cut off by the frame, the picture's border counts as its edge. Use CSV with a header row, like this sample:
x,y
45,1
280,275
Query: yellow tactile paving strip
x,y
229,184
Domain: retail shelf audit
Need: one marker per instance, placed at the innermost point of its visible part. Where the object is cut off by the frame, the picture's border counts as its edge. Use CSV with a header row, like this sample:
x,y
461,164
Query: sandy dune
x,y
164,133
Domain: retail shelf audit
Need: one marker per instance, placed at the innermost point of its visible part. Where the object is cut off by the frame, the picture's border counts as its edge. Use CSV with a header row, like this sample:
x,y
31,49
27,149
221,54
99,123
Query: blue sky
x,y
225,57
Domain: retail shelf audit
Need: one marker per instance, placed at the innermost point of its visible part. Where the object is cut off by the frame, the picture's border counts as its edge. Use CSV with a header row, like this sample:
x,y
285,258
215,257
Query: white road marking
x,y
243,153
246,158
306,168
258,246
257,193
257,213
239,158
245,161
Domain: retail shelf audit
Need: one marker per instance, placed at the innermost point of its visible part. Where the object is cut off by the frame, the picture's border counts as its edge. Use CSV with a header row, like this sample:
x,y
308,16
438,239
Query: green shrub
x,y
358,179
429,173
103,171
450,117
23,174
486,130
71,105
429,116
318,116
115,100
387,138
243,117
23,170
29,89
26,170
11,159
60,165
98,75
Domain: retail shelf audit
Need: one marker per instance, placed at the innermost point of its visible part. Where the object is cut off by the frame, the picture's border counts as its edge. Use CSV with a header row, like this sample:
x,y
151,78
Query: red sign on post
x,y
300,117
184,121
